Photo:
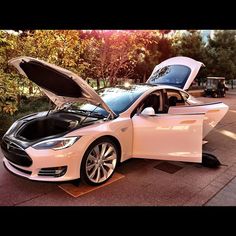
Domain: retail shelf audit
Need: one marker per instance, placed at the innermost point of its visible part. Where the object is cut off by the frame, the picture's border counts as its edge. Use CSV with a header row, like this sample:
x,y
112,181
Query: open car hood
x,y
60,85
176,71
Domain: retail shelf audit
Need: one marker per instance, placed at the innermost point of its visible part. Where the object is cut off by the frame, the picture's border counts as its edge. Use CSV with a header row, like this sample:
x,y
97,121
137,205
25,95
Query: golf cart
x,y
215,87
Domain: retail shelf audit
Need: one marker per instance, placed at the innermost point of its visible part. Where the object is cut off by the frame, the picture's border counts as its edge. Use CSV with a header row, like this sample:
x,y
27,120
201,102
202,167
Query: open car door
x,y
168,137
214,112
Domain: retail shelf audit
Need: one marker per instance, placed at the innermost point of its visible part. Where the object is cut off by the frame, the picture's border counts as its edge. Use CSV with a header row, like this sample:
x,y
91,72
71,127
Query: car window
x,y
153,100
175,75
175,98
117,98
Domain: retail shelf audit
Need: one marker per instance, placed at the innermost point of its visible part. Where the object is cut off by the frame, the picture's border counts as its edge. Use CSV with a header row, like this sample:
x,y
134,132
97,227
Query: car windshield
x,y
118,98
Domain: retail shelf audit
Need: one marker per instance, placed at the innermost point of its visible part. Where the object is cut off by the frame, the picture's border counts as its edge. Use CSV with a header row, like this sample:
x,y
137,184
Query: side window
x,y
175,98
153,100
185,96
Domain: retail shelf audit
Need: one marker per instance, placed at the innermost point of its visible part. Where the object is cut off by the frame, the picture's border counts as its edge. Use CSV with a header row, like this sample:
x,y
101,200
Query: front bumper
x,y
28,174
49,165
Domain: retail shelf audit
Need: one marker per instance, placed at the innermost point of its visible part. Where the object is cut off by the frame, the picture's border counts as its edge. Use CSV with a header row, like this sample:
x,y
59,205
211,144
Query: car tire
x,y
99,162
215,95
210,161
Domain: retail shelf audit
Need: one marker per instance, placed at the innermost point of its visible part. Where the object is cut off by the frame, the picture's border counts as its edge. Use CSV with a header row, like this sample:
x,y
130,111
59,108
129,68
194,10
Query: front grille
x,y
53,171
21,170
15,154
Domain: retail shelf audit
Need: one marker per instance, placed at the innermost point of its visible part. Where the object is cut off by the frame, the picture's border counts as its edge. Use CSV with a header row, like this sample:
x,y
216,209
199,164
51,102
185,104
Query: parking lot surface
x,y
146,182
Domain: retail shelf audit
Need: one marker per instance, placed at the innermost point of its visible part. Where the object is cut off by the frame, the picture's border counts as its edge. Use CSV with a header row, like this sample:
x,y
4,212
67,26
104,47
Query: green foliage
x,y
8,79
191,44
8,95
26,106
108,57
221,53
155,47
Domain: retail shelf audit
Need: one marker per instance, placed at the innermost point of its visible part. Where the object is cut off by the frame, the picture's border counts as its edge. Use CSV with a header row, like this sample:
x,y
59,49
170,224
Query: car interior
x,y
161,101
174,98
152,101
172,101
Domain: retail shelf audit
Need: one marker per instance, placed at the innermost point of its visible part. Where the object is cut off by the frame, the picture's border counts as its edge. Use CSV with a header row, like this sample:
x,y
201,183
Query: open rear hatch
x,y
176,71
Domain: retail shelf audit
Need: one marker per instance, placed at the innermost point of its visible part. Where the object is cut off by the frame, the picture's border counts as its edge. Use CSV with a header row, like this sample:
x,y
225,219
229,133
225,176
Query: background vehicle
x,y
215,87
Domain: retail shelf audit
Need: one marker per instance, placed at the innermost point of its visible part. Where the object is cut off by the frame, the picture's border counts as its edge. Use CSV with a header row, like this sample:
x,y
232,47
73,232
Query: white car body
x,y
176,135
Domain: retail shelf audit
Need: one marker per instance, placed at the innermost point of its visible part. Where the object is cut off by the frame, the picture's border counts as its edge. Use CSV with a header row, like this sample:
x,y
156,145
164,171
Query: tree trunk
x,y
105,82
30,88
98,84
111,81
199,82
18,99
144,78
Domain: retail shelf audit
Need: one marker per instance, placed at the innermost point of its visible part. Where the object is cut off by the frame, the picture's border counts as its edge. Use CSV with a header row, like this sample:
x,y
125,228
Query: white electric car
x,y
89,132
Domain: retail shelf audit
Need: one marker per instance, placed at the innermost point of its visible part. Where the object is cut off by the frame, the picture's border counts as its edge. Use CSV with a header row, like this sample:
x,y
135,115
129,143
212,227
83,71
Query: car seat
x,y
153,101
173,101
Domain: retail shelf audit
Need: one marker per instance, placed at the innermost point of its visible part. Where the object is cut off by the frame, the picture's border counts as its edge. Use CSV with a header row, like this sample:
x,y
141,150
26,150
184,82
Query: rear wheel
x,y
99,162
215,95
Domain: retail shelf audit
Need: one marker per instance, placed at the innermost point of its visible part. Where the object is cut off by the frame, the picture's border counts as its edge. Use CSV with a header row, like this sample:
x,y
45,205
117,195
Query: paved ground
x,y
225,197
231,91
143,184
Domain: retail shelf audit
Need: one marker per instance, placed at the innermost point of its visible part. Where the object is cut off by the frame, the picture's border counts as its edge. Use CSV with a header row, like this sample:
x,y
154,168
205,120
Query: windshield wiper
x,y
85,112
79,110
89,113
98,114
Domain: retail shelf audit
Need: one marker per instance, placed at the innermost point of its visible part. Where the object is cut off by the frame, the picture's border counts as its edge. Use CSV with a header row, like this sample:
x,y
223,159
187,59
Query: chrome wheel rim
x,y
101,162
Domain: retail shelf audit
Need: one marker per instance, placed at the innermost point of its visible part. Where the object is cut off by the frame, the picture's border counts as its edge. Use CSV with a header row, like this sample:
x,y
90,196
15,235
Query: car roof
x,y
147,85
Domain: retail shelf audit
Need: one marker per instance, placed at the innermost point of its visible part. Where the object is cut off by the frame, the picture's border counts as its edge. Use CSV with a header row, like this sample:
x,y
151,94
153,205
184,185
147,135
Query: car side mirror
x,y
148,111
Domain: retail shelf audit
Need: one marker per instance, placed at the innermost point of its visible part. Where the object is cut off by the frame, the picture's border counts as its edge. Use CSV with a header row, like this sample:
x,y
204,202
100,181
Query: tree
x,y
191,44
108,57
9,89
157,46
221,54
112,55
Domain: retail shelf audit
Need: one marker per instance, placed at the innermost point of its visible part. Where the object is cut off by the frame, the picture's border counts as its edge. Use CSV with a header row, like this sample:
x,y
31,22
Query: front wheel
x,y
99,162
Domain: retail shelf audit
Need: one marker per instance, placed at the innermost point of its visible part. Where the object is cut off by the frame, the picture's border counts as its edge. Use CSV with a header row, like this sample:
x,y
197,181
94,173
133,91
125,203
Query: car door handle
x,y
187,122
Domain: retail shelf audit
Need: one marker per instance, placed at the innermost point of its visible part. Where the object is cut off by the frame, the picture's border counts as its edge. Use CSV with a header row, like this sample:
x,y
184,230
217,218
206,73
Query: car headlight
x,y
56,144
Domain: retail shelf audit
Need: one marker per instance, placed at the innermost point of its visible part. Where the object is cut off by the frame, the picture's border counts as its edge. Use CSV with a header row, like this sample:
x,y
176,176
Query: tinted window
x,y
174,98
175,75
118,99
154,100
